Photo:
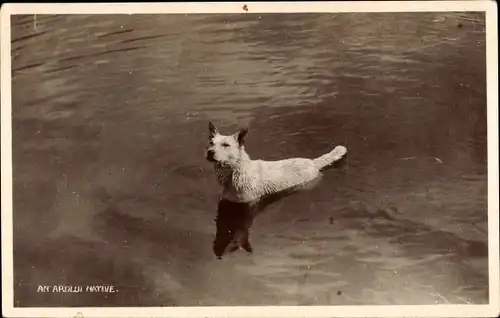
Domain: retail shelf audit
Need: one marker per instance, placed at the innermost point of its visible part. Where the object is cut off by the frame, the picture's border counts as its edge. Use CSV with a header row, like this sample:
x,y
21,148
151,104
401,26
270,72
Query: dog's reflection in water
x,y
234,220
233,224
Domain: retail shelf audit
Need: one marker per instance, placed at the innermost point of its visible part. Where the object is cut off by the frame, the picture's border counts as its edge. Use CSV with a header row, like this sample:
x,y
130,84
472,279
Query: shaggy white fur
x,y
246,180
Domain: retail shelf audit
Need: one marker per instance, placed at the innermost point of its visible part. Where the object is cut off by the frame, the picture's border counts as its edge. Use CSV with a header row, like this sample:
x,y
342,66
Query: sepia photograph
x,y
250,159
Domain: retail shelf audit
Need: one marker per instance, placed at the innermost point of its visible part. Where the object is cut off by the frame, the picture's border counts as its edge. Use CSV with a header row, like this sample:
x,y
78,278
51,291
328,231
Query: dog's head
x,y
225,149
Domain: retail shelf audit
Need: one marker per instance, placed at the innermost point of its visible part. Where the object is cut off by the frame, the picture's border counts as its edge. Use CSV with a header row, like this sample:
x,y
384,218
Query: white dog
x,y
247,180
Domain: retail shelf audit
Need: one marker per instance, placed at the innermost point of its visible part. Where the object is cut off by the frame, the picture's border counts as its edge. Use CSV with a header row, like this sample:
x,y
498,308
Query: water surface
x,y
110,119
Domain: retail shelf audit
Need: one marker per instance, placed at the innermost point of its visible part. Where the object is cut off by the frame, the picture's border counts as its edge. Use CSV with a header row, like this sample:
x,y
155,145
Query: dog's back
x,y
279,175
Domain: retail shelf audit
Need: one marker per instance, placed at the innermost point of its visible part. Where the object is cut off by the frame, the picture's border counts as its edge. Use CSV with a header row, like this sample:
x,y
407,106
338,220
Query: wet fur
x,y
246,180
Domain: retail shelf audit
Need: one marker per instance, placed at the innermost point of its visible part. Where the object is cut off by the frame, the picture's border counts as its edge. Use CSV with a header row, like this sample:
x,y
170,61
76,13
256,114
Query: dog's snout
x,y
210,155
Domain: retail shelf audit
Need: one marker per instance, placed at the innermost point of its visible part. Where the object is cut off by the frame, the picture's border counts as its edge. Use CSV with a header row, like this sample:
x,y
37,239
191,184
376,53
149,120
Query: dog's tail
x,y
329,158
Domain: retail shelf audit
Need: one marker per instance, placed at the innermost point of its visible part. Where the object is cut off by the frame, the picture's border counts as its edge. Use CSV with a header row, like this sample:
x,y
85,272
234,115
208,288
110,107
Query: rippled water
x,y
110,119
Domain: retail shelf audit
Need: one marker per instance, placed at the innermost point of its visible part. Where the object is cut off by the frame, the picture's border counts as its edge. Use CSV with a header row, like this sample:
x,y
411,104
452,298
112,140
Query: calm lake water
x,y
110,120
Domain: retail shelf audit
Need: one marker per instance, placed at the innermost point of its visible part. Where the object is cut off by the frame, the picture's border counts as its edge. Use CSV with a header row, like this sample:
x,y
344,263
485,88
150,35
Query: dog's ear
x,y
241,136
212,130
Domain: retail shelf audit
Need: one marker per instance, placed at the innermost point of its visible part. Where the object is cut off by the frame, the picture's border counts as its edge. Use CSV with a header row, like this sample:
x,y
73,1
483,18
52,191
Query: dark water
x,y
111,186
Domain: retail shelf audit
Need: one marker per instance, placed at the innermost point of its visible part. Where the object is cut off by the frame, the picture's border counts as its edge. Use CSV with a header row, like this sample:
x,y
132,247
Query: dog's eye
x,y
225,145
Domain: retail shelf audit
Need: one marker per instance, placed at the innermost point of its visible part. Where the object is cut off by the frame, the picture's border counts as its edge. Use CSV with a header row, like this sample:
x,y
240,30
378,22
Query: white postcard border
x,y
490,310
